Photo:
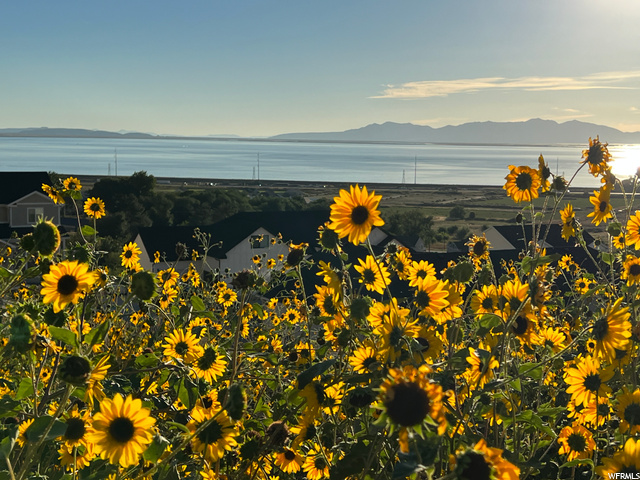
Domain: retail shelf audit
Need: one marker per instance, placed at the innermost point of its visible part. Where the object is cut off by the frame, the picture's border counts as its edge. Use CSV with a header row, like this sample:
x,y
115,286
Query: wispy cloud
x,y
442,88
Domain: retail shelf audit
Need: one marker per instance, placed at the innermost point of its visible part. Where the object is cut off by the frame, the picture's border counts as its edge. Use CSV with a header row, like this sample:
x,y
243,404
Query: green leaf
x,y
5,273
25,389
97,335
578,461
463,272
8,405
64,335
179,426
37,429
156,449
310,373
147,360
197,303
526,264
533,370
607,258
7,443
88,231
187,392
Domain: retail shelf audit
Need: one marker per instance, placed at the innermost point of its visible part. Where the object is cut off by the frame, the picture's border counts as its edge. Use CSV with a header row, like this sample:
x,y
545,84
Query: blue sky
x,y
258,68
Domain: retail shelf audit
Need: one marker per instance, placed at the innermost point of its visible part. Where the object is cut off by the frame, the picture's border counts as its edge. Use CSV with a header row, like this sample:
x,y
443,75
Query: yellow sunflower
x,y
93,391
355,213
317,463
612,331
94,208
209,365
289,460
576,442
227,297
122,430
478,247
632,236
522,184
65,283
130,255
629,411
54,193
431,297
419,271
481,367
553,338
631,270
626,460
587,380
568,218
216,433
407,398
76,457
484,462
72,184
401,262
602,209
597,157
364,360
373,275
182,345
485,300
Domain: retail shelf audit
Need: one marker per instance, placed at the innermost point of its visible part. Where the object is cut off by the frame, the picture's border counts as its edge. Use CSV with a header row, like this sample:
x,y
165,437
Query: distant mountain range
x,y
530,132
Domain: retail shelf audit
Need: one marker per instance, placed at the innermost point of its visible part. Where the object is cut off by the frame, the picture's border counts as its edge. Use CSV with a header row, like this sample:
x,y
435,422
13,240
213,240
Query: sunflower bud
x,y
143,285
359,309
295,256
46,238
236,402
328,239
75,370
55,319
27,243
21,333
277,433
244,279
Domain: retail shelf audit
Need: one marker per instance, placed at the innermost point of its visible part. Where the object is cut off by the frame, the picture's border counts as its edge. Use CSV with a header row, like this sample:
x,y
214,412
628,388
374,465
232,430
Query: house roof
x,y
295,226
516,235
15,185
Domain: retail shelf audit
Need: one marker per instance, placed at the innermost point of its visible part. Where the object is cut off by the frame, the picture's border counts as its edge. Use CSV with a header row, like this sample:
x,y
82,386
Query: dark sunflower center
x,y
421,274
206,361
211,434
479,248
319,463
369,276
328,305
524,181
475,467
359,215
422,299
632,414
289,455
424,343
94,207
75,429
487,303
600,329
520,325
67,284
592,382
165,276
577,442
181,348
603,206
368,362
595,154
128,254
407,404
121,429
604,410
634,270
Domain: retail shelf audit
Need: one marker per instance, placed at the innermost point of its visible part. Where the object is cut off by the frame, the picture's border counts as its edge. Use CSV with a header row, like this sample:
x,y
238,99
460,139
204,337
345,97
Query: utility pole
x,y
415,170
258,166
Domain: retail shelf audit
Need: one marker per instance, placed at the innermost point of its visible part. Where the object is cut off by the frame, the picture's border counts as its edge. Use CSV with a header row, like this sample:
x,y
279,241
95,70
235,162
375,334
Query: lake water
x,y
364,163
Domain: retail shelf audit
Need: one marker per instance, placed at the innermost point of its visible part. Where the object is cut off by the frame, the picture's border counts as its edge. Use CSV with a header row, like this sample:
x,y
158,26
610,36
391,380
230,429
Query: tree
x,y
457,213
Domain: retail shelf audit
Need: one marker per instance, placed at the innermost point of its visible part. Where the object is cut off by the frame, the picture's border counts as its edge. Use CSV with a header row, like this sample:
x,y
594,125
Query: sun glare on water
x,y
626,160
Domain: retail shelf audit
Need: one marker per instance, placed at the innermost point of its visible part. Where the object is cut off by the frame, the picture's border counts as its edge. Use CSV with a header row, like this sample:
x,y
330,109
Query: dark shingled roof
x,y
15,185
295,226
515,235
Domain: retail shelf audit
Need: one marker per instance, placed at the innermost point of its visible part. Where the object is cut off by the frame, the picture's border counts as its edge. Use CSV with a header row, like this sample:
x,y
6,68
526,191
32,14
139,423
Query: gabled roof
x,y
516,235
295,226
15,185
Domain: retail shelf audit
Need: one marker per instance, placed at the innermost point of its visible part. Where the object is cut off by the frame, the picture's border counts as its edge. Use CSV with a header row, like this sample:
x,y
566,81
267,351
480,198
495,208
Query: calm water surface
x,y
429,164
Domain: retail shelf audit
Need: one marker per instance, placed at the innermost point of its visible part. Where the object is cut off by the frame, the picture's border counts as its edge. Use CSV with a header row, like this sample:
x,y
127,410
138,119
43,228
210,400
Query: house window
x,y
259,241
34,213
